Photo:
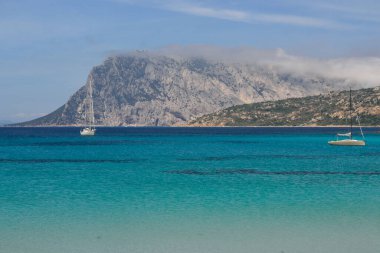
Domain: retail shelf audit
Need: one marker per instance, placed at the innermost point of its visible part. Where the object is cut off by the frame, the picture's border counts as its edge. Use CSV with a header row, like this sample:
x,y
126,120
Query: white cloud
x,y
361,70
227,14
242,16
299,21
353,10
252,17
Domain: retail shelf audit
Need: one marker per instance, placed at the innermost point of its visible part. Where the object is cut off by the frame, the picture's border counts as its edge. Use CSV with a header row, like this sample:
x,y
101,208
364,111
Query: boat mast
x,y
350,116
91,102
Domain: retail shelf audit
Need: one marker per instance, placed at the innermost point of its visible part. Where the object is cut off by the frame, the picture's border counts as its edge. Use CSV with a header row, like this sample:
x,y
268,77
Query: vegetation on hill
x,y
321,110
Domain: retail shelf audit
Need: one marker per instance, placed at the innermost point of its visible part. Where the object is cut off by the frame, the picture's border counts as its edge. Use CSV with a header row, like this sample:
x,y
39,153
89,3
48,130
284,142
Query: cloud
x,y
360,11
227,14
359,71
248,17
299,21
253,17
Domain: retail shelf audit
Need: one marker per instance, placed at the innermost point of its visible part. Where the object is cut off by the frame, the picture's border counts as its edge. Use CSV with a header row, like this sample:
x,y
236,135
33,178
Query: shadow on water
x,y
262,172
237,142
270,156
211,158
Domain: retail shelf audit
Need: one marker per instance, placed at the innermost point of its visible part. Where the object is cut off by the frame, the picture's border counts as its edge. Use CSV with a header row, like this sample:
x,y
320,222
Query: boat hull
x,y
348,142
88,132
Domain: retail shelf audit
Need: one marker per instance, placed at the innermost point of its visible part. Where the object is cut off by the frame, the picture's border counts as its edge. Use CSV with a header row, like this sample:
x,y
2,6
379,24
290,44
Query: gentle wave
x,y
262,172
81,143
70,160
248,157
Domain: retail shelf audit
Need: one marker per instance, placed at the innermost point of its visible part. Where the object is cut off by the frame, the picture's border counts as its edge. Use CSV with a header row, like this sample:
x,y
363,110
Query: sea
x,y
188,190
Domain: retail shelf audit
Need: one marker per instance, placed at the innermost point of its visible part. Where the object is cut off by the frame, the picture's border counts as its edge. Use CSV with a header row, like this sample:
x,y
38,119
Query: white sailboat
x,y
349,141
89,112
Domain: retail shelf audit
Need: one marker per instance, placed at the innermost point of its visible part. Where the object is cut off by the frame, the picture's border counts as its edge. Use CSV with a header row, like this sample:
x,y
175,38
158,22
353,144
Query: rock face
x,y
146,89
328,109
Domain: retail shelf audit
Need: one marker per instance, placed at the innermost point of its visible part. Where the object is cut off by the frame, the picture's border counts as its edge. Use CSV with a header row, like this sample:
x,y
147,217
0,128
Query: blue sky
x,y
48,47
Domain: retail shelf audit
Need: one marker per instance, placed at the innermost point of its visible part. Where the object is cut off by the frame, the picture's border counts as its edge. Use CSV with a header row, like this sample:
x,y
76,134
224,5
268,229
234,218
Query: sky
x,y
48,47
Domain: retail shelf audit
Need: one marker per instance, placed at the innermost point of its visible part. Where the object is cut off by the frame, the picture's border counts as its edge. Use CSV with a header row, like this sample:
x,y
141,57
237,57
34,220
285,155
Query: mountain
x,y
328,109
147,89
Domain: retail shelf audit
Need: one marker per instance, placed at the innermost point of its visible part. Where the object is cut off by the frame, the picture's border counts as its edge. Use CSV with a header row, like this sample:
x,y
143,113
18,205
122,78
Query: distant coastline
x,y
190,126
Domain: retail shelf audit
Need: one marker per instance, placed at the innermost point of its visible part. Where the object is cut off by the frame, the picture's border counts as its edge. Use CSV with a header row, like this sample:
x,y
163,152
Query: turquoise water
x,y
187,190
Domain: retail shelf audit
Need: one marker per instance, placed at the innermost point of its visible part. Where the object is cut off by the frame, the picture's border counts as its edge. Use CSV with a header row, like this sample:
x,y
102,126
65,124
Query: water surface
x,y
187,190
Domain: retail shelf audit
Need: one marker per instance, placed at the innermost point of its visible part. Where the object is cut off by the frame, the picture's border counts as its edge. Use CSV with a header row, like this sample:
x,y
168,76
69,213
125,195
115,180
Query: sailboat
x,y
349,141
89,112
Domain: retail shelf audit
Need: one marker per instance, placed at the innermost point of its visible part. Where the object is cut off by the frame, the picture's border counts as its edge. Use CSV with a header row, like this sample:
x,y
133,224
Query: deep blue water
x,y
188,190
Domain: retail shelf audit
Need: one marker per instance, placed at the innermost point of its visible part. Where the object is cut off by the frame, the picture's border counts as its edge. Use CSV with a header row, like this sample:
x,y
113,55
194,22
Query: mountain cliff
x,y
328,109
147,89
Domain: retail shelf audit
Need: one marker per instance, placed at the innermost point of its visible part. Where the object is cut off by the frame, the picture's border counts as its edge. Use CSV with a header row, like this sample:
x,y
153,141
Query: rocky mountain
x,y
147,89
328,109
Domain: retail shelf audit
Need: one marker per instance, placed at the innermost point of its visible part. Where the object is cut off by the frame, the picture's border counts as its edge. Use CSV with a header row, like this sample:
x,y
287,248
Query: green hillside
x,y
322,110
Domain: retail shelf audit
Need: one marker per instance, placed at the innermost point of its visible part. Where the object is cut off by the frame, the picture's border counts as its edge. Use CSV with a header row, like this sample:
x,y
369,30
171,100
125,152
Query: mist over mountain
x,y
168,88
359,72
